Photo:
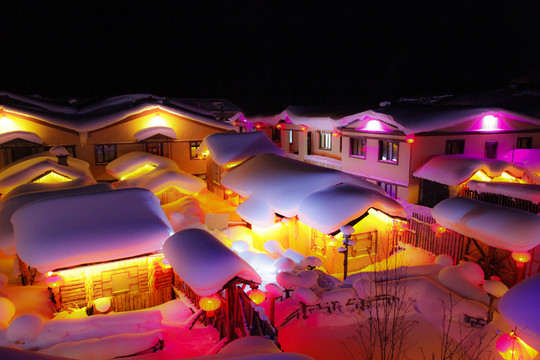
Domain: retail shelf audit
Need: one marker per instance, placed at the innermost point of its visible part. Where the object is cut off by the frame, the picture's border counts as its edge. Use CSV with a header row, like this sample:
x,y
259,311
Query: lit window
x,y
390,189
290,137
358,148
193,146
454,147
105,153
388,151
325,141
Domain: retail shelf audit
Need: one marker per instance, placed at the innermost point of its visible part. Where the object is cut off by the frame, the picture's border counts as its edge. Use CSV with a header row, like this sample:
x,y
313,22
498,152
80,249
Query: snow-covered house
x,y
225,151
100,130
303,207
156,173
113,253
46,168
208,271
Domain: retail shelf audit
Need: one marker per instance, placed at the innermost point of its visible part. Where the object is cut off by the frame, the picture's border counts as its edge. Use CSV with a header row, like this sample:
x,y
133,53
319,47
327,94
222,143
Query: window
x,y
276,134
390,189
193,146
358,148
105,153
290,137
454,147
524,143
490,149
388,151
325,141
155,148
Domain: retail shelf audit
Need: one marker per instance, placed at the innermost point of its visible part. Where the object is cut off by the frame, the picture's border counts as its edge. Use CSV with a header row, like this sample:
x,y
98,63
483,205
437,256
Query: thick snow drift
x,y
10,204
519,307
205,263
275,184
20,134
226,148
529,192
455,169
348,202
162,173
27,170
70,230
153,131
494,225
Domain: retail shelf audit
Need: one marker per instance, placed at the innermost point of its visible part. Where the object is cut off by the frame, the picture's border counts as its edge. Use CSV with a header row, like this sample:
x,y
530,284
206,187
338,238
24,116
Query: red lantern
x,y
410,138
258,126
257,296
234,123
521,257
335,134
303,128
511,347
54,281
210,304
278,126
438,229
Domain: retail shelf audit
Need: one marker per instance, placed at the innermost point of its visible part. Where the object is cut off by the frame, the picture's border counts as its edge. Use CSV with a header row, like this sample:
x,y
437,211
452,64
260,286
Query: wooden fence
x,y
501,200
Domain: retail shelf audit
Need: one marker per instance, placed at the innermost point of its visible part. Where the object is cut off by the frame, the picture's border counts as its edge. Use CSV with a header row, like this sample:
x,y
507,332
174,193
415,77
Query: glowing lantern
x,y
511,347
438,229
335,134
234,123
258,126
401,226
410,138
228,192
303,128
279,126
54,281
257,296
521,257
210,304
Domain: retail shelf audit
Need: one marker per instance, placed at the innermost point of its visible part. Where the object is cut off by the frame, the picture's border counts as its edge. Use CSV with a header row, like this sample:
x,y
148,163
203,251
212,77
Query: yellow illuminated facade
x,y
52,177
140,171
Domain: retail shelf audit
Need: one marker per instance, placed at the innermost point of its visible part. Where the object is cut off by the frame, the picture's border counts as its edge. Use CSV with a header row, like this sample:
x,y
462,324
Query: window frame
x,y
488,144
450,146
386,186
363,153
102,146
325,140
527,139
388,151
193,146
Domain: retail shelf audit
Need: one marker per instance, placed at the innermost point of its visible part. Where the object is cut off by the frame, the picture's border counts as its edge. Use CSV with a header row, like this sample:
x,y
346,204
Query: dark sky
x,y
267,52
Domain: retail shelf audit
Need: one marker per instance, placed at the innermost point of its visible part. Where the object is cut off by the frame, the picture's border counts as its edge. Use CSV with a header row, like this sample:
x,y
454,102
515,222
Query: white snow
x,y
348,202
25,328
205,263
12,201
59,151
86,228
275,184
497,226
519,307
164,173
305,295
465,279
528,158
273,247
153,131
495,288
228,148
339,295
294,255
28,169
20,134
308,278
284,264
287,280
455,169
529,192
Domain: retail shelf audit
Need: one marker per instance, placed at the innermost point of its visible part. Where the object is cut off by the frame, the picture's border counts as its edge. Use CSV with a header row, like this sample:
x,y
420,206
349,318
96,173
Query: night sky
x,y
268,53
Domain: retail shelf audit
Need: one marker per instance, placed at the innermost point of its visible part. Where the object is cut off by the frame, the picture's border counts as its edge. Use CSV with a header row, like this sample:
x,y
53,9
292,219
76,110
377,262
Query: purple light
x,y
373,125
490,123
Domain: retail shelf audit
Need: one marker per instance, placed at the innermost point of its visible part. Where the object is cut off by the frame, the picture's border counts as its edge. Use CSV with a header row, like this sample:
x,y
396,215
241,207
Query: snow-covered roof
x,y
529,192
204,262
153,131
455,169
165,173
274,184
348,202
70,230
519,308
16,199
90,116
528,158
226,148
28,169
494,225
20,134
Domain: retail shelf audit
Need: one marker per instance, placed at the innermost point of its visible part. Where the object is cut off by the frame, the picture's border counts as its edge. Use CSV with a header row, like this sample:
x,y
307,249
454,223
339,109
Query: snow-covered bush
x,y
311,262
284,264
274,290
308,278
465,280
287,280
305,295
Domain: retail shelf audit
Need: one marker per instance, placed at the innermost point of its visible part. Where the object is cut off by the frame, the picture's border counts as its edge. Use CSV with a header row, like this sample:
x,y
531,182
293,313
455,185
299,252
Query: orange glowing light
x,y
303,128
258,126
54,281
511,347
278,126
210,304
228,192
234,123
410,138
139,171
521,257
335,134
257,296
438,229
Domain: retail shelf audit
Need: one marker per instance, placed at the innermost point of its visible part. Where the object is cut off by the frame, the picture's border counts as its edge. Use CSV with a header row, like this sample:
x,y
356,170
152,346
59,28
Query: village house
x,y
100,130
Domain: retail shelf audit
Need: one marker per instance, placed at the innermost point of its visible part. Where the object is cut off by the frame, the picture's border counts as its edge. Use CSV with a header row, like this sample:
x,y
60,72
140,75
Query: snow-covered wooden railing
x,y
501,200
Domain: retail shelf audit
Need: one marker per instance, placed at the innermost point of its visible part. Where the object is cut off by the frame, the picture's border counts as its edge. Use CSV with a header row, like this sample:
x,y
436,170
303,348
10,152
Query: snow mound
x,y
205,263
287,280
494,225
308,278
239,246
341,296
28,169
117,224
134,160
153,131
293,255
519,308
274,289
444,260
24,328
7,310
455,169
465,280
305,295
284,264
273,247
311,261
227,148
495,288
59,151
